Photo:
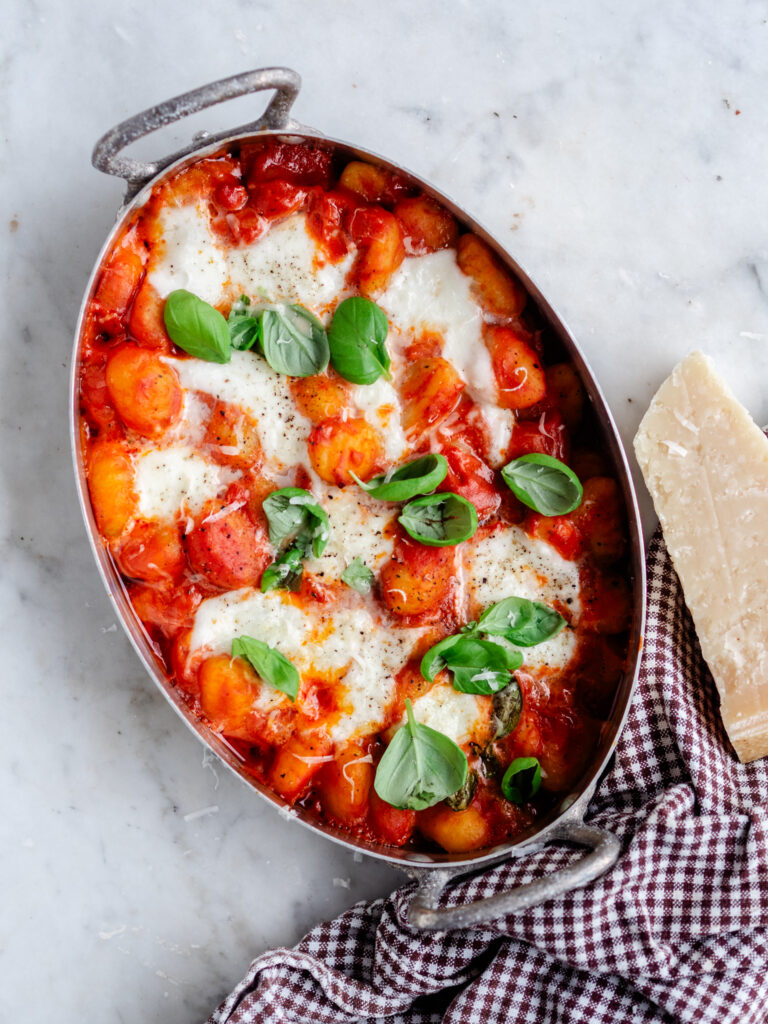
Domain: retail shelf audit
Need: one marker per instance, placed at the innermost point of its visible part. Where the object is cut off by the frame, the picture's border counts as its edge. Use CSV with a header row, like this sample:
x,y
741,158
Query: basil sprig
x,y
487,666
544,484
291,339
196,327
522,622
269,664
420,476
358,576
478,666
521,780
294,513
357,339
298,523
439,520
420,767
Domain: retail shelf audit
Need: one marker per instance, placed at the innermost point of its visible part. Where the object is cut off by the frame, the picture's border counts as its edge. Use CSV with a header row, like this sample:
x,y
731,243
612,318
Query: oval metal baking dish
x,y
432,870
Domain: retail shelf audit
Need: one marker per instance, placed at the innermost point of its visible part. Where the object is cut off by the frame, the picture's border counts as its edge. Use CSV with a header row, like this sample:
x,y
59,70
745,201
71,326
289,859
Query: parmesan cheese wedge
x,y
706,465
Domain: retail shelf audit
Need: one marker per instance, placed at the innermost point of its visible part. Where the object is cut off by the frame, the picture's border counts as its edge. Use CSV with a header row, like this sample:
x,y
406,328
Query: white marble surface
x,y
617,149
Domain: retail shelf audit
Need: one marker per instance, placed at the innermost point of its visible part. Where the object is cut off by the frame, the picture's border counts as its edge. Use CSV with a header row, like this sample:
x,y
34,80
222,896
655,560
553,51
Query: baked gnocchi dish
x,y
356,495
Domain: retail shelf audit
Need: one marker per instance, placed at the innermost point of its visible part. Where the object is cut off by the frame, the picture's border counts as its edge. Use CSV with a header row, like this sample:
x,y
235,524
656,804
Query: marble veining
x,y
618,152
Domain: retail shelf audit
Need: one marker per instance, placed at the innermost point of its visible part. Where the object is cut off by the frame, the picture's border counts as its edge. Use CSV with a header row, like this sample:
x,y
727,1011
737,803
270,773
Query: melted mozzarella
x,y
431,292
270,617
176,480
380,405
463,717
188,257
357,527
552,654
248,381
344,644
508,563
500,423
284,264
191,426
374,655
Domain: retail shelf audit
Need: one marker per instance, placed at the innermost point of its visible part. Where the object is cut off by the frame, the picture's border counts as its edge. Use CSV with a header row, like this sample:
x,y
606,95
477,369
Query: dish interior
x,y
185,456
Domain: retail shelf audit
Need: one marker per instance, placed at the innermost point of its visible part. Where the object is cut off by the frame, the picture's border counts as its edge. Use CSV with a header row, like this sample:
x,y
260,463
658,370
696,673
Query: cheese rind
x,y
705,463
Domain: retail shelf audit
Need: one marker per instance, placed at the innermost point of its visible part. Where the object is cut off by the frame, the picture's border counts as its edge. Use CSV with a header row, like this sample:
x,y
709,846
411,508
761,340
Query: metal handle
x,y
284,81
605,849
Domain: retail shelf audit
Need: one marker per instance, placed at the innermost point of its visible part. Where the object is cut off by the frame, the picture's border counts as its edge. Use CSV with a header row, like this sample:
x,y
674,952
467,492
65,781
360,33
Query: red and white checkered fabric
x,y
676,932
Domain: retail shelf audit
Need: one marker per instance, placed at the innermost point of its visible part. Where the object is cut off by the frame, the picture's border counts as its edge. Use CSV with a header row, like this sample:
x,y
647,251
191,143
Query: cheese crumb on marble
x,y
713,507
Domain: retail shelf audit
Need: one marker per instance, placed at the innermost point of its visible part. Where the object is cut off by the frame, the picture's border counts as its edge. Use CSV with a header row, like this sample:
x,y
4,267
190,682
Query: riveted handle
x,y
605,849
137,173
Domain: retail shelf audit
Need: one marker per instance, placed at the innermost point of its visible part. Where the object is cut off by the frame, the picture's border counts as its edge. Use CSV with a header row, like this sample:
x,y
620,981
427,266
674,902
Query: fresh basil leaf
x,y
439,520
298,521
544,484
269,664
294,514
245,333
358,576
244,325
485,681
478,666
521,780
197,327
357,339
472,652
434,660
286,572
290,348
462,798
522,622
315,325
420,476
420,767
507,707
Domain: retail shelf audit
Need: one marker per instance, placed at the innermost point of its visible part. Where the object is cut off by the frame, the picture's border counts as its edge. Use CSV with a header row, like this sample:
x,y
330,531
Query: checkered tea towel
x,y
676,932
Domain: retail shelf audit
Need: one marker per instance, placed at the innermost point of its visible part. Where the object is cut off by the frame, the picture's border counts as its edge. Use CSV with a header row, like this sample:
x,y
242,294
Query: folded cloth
x,y
676,932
